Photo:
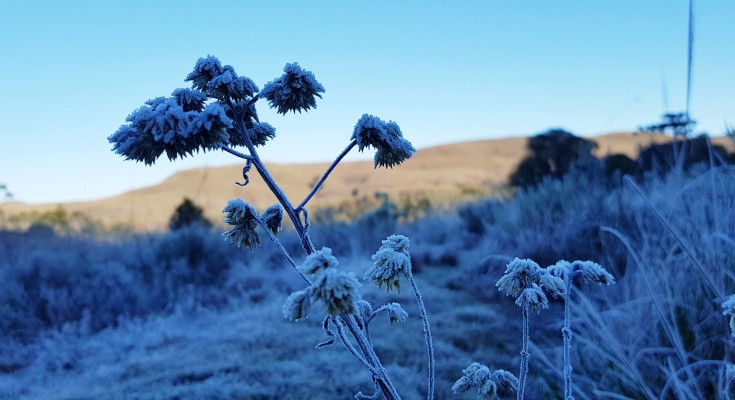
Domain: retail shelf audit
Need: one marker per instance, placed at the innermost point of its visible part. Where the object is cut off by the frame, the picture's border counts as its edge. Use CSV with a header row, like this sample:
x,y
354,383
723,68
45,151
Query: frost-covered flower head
x,y
524,279
243,219
318,261
337,290
178,125
488,384
386,138
220,82
390,262
272,217
295,90
588,270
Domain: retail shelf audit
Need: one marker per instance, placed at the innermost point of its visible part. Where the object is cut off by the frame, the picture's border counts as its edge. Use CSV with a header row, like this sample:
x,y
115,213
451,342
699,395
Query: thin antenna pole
x,y
690,56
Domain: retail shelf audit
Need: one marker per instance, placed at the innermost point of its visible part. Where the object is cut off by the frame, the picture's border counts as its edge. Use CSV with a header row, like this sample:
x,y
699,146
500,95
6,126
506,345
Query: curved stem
x,y
427,336
235,153
319,184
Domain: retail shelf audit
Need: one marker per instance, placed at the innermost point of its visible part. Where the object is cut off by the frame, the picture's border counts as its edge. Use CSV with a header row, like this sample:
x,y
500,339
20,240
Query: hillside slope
x,y
443,173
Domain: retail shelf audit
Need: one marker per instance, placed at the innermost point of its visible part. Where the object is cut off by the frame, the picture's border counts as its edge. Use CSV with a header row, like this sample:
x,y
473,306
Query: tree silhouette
x,y
552,153
188,214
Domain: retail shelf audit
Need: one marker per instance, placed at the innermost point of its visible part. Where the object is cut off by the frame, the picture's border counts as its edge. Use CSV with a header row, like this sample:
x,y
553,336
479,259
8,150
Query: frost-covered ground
x,y
182,315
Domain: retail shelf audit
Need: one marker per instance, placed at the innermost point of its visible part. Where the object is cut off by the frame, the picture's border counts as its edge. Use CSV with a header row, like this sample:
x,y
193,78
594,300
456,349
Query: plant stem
x,y
566,332
385,385
524,354
319,184
427,336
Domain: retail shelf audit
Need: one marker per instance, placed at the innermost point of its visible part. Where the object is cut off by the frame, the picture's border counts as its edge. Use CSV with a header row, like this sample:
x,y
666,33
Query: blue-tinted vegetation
x,y
181,314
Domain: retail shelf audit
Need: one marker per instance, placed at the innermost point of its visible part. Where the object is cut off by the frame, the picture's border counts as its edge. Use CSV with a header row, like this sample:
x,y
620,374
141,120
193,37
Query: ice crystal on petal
x,y
295,90
297,305
337,290
319,260
243,218
272,217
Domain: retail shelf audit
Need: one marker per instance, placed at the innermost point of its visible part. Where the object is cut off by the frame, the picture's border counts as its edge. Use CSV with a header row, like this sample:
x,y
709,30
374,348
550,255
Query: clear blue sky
x,y
445,71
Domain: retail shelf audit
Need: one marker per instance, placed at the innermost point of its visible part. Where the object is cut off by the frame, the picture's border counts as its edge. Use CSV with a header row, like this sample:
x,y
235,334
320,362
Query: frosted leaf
x,y
295,90
337,290
272,217
319,260
297,306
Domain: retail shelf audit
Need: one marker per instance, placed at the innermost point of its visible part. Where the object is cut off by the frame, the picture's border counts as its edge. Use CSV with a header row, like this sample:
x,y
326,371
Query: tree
x,y
188,214
552,153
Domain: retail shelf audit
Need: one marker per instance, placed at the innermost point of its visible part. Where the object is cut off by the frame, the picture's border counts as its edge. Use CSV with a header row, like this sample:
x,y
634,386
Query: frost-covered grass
x,y
658,333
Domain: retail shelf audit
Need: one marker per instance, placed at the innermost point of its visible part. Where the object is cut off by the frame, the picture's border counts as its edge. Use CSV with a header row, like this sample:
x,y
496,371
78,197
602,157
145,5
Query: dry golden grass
x,y
445,174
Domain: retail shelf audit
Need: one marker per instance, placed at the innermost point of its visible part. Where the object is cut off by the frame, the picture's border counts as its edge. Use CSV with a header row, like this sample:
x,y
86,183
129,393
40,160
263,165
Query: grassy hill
x,y
443,174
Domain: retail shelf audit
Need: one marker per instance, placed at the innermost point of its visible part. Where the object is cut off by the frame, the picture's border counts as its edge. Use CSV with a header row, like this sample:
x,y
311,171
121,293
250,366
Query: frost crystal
x,y
391,262
295,90
243,218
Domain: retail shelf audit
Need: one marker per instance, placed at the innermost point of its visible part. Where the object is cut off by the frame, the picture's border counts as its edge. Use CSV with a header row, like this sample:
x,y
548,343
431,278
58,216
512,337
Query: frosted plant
x,y
488,384
218,113
527,282
590,272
